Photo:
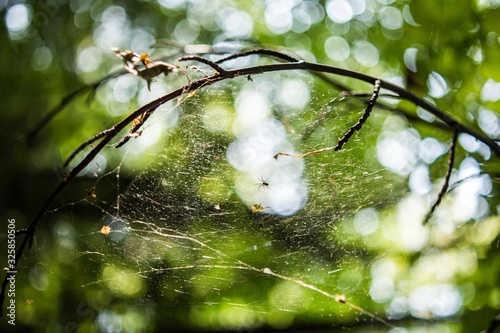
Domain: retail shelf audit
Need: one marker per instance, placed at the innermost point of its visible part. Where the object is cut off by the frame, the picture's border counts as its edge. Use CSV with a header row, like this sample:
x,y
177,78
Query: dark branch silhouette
x,y
362,120
494,324
444,188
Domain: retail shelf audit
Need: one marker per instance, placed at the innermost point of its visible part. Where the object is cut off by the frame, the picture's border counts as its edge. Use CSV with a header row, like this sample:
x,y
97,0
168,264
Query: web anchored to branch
x,y
216,199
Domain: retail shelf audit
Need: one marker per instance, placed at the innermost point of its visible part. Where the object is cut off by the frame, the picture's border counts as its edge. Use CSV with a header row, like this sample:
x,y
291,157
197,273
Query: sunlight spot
x,y
186,31
257,146
305,14
437,85
359,7
232,317
439,300
280,320
278,16
384,266
236,23
391,18
430,149
141,40
38,278
408,17
252,108
490,91
419,181
476,53
469,143
488,4
410,58
366,221
294,94
88,59
481,185
42,58
17,19
339,11
337,48
398,308
288,198
172,4
65,238
489,122
426,115
113,30
125,88
109,322
410,213
399,151
382,289
253,154
366,53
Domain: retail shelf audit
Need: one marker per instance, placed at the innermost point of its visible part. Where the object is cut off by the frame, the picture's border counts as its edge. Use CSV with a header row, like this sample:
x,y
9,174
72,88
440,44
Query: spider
x,y
263,183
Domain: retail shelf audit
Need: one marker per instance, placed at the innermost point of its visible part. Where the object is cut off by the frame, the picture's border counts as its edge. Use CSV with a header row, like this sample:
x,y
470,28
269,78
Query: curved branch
x,y
205,61
446,184
363,119
272,53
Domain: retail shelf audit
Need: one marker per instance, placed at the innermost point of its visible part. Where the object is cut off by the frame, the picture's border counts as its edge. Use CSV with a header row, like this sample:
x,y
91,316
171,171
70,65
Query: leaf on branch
x,y
142,66
105,230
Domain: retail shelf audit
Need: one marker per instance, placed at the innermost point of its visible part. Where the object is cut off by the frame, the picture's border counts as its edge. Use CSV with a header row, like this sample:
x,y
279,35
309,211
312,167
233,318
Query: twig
x,y
271,53
446,183
82,146
362,120
464,180
350,132
494,324
30,138
205,61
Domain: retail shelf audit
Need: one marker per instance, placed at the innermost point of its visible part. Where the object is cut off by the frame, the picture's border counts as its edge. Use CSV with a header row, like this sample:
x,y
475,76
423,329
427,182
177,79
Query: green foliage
x,y
194,241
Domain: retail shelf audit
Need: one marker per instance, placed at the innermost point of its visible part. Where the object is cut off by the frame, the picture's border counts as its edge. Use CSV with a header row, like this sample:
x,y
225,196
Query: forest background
x,y
195,223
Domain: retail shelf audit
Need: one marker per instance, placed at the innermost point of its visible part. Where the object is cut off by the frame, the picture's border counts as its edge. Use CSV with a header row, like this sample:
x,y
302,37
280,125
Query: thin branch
x,y
138,123
362,120
494,324
30,138
356,127
20,232
444,188
82,147
464,180
272,53
205,61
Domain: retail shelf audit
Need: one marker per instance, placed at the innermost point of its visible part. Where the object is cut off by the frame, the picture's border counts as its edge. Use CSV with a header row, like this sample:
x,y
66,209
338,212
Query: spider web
x,y
217,234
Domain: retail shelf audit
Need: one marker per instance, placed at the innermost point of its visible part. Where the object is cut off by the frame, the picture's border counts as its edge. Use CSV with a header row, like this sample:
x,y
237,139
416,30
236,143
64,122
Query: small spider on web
x,y
263,183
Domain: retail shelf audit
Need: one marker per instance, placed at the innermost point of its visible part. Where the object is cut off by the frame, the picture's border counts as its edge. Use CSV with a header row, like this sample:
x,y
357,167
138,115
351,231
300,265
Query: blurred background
x,y
194,226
